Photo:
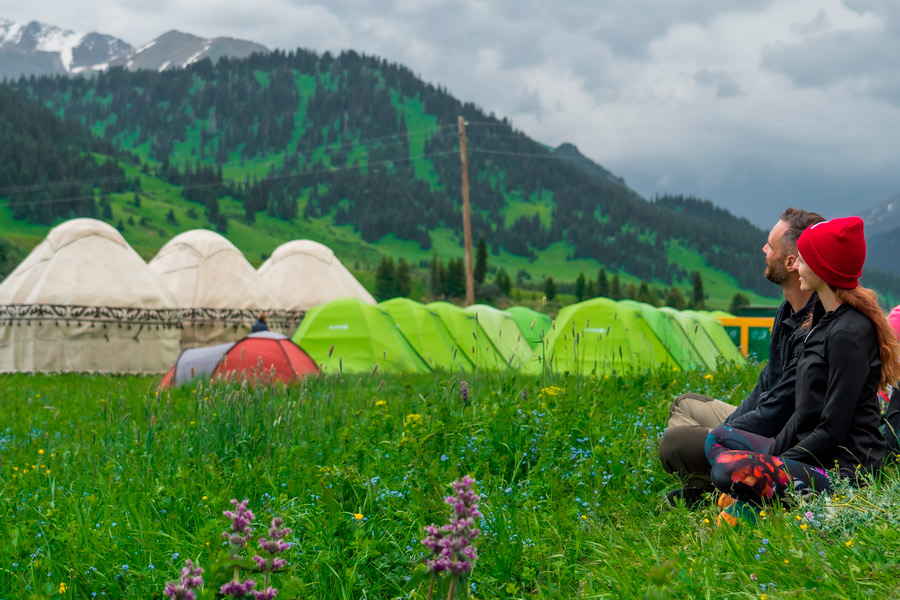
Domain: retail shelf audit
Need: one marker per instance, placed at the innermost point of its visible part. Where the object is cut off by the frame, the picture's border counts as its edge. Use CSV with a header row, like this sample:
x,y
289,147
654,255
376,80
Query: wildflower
x,y
381,403
848,543
358,516
464,390
707,376
63,587
804,526
190,580
40,451
451,545
236,588
241,518
273,546
203,497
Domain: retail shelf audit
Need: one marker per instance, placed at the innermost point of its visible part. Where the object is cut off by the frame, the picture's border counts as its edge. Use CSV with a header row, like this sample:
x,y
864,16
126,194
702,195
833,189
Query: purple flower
x,y
464,390
240,533
267,594
451,546
236,588
190,580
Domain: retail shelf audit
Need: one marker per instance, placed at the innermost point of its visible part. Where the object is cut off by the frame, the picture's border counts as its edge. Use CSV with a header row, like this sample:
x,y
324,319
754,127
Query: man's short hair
x,y
798,221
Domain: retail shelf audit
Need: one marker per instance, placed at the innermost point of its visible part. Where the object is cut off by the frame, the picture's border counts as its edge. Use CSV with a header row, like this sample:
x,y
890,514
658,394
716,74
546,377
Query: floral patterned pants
x,y
742,468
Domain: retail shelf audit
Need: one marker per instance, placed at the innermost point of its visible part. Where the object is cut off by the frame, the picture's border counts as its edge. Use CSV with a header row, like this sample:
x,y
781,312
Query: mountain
x,y
38,49
883,217
175,49
570,153
883,235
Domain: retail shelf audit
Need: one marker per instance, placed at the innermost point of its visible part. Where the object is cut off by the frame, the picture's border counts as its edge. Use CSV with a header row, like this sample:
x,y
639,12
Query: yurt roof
x,y
205,270
303,274
85,262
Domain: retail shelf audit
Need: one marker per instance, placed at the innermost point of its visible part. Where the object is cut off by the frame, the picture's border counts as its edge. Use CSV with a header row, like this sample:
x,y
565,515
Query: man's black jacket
x,y
771,403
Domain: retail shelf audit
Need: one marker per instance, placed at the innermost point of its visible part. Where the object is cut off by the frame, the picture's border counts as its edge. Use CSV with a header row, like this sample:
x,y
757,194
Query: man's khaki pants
x,y
681,448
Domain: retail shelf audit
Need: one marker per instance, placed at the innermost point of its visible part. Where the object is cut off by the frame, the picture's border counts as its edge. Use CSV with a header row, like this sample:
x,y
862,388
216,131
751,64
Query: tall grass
x,y
107,487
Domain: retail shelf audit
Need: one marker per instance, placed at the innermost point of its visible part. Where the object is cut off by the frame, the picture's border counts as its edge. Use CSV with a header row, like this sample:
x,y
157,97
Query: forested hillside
x,y
47,165
356,141
301,135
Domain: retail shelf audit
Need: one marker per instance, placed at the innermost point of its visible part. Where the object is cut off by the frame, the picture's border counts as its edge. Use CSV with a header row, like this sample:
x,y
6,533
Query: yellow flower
x,y
763,597
381,403
358,516
849,543
584,517
63,587
706,521
786,561
762,513
707,376
41,452
203,498
804,526
47,471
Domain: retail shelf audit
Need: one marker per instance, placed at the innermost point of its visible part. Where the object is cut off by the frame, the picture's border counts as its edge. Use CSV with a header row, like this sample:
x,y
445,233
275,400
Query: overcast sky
x,y
753,104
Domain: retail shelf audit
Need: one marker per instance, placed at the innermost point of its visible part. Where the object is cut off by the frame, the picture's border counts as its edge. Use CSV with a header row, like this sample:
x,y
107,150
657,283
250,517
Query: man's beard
x,y
776,273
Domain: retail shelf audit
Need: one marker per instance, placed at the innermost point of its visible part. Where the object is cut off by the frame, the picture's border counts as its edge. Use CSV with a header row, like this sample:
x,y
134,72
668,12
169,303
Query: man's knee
x,y
698,410
681,452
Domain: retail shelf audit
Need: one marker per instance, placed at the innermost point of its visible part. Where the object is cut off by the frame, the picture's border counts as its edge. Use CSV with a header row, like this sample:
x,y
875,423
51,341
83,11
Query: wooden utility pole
x,y
467,214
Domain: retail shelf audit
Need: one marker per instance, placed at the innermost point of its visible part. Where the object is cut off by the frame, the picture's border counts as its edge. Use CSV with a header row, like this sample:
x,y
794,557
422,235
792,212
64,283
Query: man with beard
x,y
768,407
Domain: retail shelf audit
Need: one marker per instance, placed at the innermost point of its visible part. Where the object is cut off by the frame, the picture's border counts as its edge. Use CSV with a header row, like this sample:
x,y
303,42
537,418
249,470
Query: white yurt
x,y
303,274
220,292
85,301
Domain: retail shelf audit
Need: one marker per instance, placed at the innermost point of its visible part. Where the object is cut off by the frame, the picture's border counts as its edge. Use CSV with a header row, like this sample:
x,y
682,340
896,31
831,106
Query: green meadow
x,y
107,487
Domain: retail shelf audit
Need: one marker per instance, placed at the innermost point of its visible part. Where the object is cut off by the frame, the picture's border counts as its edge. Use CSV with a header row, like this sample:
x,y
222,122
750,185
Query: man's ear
x,y
790,261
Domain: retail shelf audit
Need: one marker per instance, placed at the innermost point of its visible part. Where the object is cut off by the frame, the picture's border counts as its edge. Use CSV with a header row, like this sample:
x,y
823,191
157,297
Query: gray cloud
x,y
724,84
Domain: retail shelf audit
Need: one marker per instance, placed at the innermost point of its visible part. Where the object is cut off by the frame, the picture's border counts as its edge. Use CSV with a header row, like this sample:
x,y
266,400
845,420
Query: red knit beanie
x,y
835,250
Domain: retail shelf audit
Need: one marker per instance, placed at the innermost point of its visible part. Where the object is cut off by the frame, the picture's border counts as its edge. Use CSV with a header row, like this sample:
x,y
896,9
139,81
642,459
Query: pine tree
x,y
580,286
455,286
589,290
737,301
481,261
697,297
631,291
603,285
615,290
549,289
504,284
402,280
437,277
643,294
385,282
675,299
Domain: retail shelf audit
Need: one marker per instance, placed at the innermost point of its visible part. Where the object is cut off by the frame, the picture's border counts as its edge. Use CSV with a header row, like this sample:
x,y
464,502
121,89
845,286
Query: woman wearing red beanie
x,y
848,355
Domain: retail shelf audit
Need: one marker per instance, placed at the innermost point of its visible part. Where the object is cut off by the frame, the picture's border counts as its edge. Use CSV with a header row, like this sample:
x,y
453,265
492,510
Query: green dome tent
x,y
709,338
470,335
349,334
716,332
503,331
598,336
670,332
425,330
534,325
